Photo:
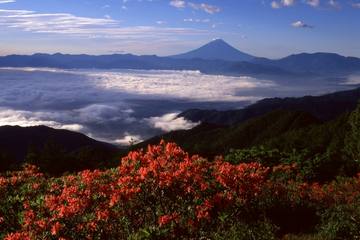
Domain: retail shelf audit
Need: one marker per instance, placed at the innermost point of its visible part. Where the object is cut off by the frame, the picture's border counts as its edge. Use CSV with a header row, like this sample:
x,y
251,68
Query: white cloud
x,y
313,3
211,9
196,20
9,12
276,4
52,22
7,1
301,24
170,122
128,140
178,3
160,22
282,3
288,3
11,117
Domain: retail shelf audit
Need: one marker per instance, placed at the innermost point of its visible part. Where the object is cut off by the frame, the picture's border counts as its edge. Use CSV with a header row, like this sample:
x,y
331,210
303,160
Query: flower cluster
x,y
162,190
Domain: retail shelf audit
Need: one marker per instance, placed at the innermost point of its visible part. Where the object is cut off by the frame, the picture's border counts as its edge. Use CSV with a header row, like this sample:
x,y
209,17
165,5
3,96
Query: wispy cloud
x,y
313,3
355,5
282,3
288,2
65,23
211,9
334,4
197,20
301,24
178,3
160,22
275,5
51,22
7,1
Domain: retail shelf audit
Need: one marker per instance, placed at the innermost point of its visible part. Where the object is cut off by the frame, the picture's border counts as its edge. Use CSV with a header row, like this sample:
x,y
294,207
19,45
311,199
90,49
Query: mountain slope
x,y
54,150
216,50
210,140
296,133
325,107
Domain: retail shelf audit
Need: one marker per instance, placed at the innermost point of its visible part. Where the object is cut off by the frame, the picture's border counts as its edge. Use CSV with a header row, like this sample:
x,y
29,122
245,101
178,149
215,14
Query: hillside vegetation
x,y
165,193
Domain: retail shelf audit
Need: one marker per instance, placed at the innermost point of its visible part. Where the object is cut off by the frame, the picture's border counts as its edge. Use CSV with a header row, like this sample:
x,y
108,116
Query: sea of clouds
x,y
118,106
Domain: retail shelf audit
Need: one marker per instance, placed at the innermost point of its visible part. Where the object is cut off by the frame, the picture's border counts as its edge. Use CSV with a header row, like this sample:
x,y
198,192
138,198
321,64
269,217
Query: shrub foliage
x,y
163,193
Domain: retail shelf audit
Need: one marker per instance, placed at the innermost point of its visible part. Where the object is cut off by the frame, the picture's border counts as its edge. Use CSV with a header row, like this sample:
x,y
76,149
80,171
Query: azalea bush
x,y
164,193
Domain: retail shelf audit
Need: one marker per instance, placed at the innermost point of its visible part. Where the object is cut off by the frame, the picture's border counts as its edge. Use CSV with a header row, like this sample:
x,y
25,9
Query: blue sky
x,y
268,28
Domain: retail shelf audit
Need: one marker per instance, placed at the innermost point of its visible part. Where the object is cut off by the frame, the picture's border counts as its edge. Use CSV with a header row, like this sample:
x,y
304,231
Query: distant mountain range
x,y
216,57
323,63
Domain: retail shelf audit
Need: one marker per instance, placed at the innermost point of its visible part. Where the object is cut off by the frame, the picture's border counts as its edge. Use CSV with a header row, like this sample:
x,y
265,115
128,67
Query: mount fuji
x,y
216,50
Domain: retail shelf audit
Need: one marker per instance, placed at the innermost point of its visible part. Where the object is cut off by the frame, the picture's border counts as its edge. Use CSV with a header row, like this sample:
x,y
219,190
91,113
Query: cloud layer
x,y
115,106
124,106
179,84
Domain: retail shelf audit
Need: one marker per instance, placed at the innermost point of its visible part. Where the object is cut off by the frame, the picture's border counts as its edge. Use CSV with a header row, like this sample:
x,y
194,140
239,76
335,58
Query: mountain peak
x,y
217,49
218,40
